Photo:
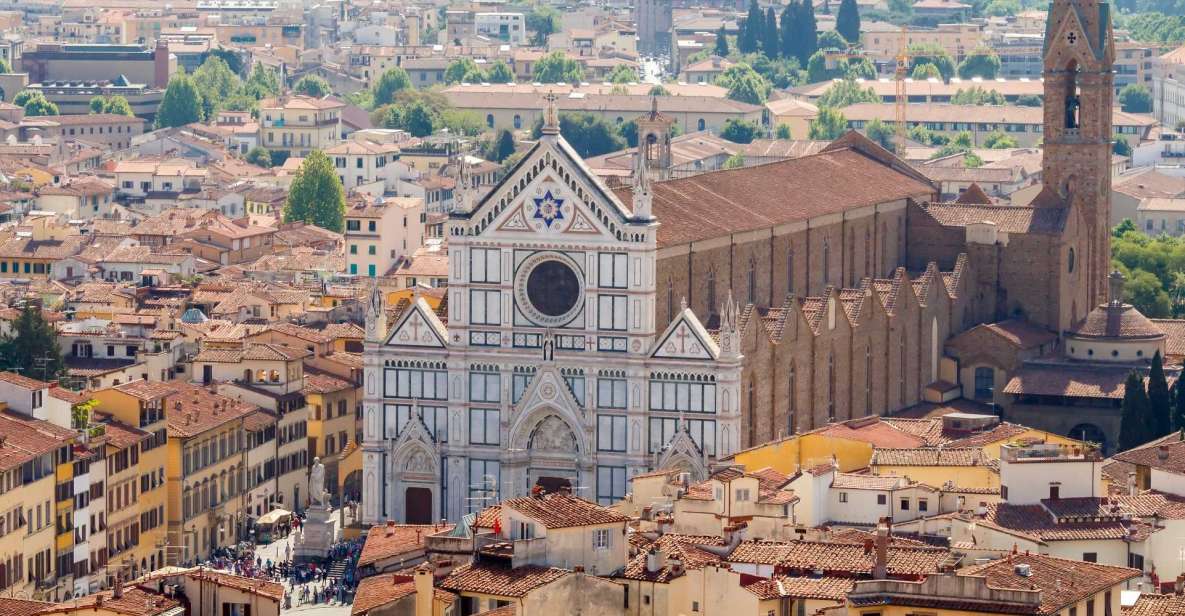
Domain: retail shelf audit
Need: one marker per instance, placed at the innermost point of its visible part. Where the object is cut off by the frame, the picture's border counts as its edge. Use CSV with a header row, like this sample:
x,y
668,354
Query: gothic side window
x,y
752,281
1070,262
1073,102
711,291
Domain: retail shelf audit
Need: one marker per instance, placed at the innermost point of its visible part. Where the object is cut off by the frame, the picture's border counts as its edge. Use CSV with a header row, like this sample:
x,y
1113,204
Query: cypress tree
x,y
789,30
754,27
1160,403
771,43
808,32
1135,422
721,43
847,21
1179,405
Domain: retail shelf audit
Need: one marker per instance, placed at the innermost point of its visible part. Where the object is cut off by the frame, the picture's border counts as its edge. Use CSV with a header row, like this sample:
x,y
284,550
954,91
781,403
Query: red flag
x,y
498,527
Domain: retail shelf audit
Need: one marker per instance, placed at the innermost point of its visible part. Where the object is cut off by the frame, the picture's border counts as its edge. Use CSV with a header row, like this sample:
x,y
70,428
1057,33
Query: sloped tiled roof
x,y
1063,582
384,542
929,456
832,588
564,511
500,581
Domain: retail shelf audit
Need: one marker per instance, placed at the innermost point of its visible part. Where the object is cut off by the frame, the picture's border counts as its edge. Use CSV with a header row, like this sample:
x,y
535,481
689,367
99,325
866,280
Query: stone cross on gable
x,y
682,335
414,323
551,120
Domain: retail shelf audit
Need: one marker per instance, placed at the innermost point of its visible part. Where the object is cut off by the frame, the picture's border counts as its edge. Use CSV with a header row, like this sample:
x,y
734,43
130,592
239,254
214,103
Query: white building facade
x,y
549,371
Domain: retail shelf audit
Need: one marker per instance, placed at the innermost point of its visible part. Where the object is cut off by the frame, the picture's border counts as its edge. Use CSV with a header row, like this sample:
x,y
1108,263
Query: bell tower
x,y
654,142
1079,53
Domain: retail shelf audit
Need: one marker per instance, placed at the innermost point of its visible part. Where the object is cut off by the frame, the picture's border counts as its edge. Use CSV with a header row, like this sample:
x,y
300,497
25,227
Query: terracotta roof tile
x,y
320,383
378,591
833,588
1148,604
134,602
966,456
1080,382
1063,582
564,511
21,607
23,382
718,203
687,548
807,557
23,438
855,481
500,581
192,410
1116,321
1168,456
383,542
1009,219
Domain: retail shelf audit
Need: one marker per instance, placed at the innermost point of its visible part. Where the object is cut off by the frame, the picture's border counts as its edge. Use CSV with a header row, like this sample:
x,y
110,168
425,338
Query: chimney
x,y
1132,489
653,561
1162,452
1179,584
880,562
98,601
161,64
676,564
424,593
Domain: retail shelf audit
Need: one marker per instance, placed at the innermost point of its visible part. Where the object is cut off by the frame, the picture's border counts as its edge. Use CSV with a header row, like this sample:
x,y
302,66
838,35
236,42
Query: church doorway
x,y
551,485
419,505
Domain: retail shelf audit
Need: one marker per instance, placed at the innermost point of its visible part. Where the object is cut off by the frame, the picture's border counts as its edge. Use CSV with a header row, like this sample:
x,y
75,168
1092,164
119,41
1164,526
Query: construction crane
x,y
902,98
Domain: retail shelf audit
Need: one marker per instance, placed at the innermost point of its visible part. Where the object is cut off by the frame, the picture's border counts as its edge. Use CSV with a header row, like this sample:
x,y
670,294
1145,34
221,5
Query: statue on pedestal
x,y
318,495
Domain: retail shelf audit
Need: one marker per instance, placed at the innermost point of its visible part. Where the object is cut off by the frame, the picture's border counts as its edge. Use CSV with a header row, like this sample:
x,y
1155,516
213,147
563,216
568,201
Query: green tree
x,y
807,32
925,136
976,95
543,21
847,21
744,84
1002,8
217,84
901,10
721,48
816,68
925,71
463,70
418,119
830,39
261,83
828,125
80,414
232,59
859,68
5,67
1160,402
1136,418
623,73
736,161
35,103
847,92
500,73
32,347
181,103
316,195
1120,147
999,141
783,132
658,90
981,62
1029,100
312,85
739,131
502,146
771,40
932,54
390,83
588,134
556,67
754,26
972,160
1135,98
115,104
1146,292
880,132
259,156
1179,405
960,144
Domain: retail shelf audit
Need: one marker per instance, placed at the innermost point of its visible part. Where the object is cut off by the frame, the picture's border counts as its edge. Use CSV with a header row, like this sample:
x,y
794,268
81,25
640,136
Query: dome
x,y
1115,331
193,315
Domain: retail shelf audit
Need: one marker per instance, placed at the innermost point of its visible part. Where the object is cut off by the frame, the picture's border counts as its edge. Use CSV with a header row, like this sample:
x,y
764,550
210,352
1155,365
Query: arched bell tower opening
x,y
1072,97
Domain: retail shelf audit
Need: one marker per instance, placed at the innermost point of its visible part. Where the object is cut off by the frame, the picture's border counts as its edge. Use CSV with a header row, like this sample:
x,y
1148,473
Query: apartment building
x,y
883,41
139,178
379,234
300,124
261,496
365,165
30,450
271,377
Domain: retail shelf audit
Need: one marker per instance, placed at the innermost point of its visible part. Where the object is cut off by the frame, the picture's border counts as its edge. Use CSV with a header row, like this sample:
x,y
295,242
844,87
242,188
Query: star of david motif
x,y
549,208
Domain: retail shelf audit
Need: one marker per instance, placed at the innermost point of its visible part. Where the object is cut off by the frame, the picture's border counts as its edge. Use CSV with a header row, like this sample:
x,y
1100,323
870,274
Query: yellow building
x,y
331,402
299,124
30,451
966,467
123,498
790,454
33,255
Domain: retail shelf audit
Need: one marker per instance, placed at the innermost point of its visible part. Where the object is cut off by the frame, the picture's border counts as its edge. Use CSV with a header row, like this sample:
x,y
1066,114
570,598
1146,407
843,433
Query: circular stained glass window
x,y
549,289
553,288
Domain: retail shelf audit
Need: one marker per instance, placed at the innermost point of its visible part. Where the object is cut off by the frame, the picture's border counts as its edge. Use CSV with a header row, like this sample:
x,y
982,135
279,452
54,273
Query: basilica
x,y
590,333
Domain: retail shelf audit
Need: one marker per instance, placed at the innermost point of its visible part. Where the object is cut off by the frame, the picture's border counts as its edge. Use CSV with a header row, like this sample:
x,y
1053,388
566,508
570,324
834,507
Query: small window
x,y
1090,557
923,505
881,499
905,504
843,497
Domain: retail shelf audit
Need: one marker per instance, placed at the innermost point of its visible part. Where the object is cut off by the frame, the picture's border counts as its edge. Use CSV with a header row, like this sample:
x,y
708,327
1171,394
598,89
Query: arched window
x,y
329,442
247,376
1072,101
790,271
752,413
867,253
275,376
490,120
868,379
902,370
826,261
712,291
518,121
752,280
670,300
791,401
700,124
1070,261
850,264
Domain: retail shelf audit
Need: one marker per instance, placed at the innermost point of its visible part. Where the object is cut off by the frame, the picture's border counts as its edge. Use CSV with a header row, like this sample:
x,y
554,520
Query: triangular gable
x,y
685,338
418,327
554,160
1071,23
683,453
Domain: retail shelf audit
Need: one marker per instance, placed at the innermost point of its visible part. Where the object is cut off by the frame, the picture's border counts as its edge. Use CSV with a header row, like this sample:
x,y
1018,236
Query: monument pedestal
x,y
317,534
